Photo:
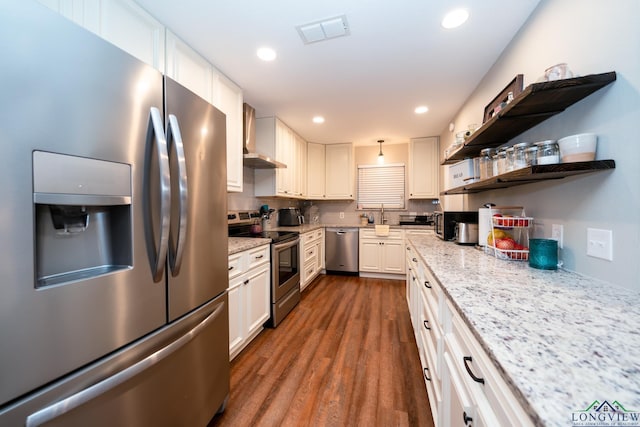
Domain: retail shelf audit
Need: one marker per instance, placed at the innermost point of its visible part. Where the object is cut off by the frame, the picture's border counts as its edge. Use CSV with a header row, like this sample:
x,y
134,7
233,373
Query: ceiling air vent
x,y
323,30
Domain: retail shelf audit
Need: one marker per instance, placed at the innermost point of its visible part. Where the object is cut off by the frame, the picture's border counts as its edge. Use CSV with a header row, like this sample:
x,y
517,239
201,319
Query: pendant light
x,y
380,155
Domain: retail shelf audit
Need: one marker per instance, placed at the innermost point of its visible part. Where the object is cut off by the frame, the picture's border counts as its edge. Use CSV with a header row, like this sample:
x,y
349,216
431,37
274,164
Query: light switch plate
x,y
600,243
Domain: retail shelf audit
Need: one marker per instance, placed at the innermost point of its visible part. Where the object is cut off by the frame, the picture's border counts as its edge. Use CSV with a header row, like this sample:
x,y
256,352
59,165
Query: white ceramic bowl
x,y
578,148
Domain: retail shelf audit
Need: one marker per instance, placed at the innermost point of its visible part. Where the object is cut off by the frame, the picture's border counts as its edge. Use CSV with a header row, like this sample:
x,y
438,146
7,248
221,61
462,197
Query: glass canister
x,y
519,155
486,163
509,159
494,160
548,152
530,154
502,161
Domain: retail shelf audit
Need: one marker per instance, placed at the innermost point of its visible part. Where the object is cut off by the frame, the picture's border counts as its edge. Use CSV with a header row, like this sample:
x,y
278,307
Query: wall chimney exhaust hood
x,y
252,159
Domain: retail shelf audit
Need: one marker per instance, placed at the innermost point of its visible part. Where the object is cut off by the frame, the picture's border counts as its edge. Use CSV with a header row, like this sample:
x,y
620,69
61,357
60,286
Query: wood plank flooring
x,y
346,356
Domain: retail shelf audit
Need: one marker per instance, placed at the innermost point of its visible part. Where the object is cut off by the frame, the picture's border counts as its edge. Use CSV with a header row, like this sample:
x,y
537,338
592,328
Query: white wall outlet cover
x,y
557,232
600,243
341,215
451,127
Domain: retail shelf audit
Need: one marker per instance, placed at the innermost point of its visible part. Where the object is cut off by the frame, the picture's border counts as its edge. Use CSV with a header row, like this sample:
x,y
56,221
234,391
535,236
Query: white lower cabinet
x,y
381,254
311,256
249,296
463,385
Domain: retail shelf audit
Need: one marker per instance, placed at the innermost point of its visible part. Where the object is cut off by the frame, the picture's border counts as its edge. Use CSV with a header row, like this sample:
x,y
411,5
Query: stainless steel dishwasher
x,y
341,250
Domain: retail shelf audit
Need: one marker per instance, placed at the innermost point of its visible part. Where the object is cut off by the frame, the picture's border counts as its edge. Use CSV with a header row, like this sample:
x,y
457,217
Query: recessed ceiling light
x,y
455,18
266,54
421,109
318,119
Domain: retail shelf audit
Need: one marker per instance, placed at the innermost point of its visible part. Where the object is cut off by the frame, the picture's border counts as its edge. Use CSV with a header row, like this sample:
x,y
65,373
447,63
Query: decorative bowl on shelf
x,y
578,148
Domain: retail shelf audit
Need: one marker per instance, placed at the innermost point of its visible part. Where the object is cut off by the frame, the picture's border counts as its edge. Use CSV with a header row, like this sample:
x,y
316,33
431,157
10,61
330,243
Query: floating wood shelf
x,y
535,104
533,174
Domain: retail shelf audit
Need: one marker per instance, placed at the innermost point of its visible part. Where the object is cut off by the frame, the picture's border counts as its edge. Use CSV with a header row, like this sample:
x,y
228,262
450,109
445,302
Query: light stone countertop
x,y
560,339
239,244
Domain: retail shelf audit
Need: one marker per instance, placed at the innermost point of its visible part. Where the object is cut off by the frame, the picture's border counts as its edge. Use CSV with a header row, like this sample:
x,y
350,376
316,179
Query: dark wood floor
x,y
346,356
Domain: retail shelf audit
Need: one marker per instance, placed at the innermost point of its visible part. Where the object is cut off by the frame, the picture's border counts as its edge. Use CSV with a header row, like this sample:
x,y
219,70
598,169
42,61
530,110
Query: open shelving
x,y
538,102
531,174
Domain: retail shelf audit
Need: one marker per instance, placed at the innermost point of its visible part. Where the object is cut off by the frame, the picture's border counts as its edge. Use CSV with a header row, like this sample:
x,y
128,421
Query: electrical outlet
x,y
557,233
600,243
341,215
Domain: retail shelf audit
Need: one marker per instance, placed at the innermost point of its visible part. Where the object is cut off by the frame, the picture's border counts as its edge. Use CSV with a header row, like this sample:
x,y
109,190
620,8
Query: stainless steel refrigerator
x,y
113,304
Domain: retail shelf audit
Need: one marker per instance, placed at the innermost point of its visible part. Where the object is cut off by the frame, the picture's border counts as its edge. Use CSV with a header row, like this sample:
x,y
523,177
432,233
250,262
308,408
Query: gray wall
x,y
592,37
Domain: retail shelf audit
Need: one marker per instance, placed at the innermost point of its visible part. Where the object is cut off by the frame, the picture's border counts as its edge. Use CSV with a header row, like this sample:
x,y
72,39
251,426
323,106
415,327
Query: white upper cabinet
x,y
227,97
121,22
188,68
315,171
423,168
276,140
339,171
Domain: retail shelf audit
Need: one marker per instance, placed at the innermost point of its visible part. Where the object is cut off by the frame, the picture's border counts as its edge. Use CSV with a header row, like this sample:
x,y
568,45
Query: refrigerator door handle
x,y
174,140
72,402
165,193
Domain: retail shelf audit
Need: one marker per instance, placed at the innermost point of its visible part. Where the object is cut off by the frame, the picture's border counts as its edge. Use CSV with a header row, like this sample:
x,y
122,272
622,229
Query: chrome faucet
x,y
382,213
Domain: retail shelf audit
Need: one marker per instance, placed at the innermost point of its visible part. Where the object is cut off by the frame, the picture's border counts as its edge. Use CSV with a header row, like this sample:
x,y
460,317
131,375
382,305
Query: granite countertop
x,y
239,244
560,339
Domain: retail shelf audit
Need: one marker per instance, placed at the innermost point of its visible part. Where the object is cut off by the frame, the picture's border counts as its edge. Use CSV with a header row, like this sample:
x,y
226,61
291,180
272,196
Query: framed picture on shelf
x,y
513,89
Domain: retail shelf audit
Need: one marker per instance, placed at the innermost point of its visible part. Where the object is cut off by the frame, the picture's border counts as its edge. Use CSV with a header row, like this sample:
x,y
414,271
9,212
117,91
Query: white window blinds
x,y
381,184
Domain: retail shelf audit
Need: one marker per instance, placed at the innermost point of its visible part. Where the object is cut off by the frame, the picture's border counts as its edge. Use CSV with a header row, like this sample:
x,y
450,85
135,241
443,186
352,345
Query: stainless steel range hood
x,y
252,159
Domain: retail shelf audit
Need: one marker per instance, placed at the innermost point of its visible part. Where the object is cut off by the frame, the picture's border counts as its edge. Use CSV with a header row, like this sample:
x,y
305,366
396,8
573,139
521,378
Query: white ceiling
x,y
367,84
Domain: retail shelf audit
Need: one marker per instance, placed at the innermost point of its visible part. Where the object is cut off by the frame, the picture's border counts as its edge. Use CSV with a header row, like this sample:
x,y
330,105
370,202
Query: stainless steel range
x,y
285,269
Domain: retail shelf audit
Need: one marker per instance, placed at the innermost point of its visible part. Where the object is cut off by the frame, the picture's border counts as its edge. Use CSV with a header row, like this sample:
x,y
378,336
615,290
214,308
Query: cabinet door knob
x,y
466,418
426,324
467,359
414,259
427,285
426,371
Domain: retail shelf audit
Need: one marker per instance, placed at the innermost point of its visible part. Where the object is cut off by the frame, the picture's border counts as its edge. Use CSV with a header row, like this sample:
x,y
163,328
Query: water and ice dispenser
x,y
82,217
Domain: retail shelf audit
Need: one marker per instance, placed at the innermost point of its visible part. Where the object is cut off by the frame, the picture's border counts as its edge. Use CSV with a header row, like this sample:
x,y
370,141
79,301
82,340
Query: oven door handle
x,y
285,245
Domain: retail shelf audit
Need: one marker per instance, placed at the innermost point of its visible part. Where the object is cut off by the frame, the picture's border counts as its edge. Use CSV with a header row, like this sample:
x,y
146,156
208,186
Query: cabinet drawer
x,y
310,252
307,238
432,332
259,256
319,234
235,265
490,392
432,292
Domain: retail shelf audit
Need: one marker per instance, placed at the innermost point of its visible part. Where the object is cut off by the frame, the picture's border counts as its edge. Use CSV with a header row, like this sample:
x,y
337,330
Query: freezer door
x,y
76,279
198,257
178,376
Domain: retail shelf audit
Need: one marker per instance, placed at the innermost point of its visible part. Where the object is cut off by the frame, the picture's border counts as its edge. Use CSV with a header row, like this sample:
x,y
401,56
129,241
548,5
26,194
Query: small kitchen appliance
x,y
290,217
466,233
444,222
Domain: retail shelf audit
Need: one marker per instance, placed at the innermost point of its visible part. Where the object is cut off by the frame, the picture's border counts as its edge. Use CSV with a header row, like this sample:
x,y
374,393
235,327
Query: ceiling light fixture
x,y
421,109
318,119
455,18
380,155
266,54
